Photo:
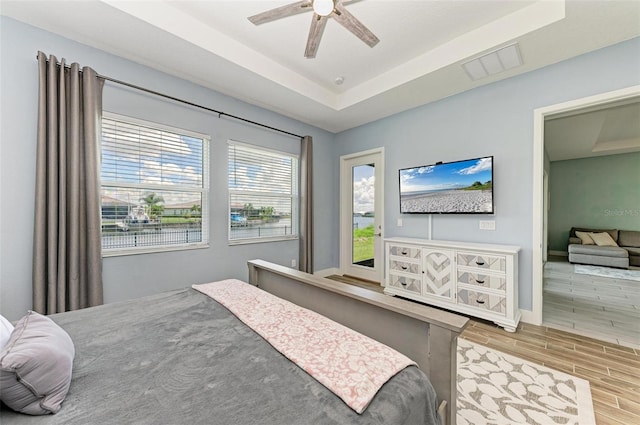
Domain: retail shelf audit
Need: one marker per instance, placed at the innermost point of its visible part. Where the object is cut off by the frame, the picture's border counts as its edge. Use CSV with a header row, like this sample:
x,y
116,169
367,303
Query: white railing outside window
x,y
155,187
263,194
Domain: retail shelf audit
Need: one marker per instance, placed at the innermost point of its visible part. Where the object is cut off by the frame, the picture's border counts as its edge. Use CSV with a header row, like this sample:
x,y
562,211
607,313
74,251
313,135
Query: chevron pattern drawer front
x,y
405,283
482,280
413,252
403,266
486,262
491,302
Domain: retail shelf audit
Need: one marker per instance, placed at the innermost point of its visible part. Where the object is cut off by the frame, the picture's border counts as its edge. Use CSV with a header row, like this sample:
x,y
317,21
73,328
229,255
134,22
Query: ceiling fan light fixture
x,y
323,7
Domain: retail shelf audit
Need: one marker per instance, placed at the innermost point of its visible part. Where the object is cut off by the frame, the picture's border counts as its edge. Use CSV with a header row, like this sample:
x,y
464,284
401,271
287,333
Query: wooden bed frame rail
x,y
424,334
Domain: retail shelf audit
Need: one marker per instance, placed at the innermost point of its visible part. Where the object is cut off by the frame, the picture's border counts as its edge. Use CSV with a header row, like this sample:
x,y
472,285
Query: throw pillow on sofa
x,y
585,238
603,239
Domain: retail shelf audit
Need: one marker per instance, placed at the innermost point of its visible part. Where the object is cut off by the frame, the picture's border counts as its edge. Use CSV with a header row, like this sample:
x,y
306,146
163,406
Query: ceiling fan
x,y
322,11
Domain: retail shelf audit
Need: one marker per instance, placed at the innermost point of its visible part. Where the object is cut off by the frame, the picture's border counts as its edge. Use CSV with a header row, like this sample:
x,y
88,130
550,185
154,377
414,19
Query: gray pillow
x,y
35,366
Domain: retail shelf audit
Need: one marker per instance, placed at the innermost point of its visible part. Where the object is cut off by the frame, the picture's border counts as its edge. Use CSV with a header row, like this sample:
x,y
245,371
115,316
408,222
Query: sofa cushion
x,y
633,251
600,260
606,251
585,238
603,239
629,238
574,240
612,232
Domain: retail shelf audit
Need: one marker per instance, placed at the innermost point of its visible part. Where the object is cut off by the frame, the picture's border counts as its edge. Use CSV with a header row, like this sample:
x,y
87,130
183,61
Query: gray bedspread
x,y
182,358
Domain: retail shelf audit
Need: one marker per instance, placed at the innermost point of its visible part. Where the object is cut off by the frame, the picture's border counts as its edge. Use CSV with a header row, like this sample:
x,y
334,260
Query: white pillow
x,y
5,331
603,239
585,238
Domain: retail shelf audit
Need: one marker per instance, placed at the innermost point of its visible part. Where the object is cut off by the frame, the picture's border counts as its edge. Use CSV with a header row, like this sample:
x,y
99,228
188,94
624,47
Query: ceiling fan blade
x,y
315,35
350,22
281,12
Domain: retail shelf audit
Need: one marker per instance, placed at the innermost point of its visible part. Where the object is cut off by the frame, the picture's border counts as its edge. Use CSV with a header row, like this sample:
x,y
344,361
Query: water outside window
x,y
363,241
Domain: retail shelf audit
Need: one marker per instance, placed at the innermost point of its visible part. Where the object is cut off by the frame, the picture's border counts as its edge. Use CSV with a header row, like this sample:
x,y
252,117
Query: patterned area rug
x,y
608,272
500,389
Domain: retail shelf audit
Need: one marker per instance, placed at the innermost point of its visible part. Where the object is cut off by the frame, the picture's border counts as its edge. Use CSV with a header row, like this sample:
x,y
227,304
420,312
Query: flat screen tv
x,y
460,187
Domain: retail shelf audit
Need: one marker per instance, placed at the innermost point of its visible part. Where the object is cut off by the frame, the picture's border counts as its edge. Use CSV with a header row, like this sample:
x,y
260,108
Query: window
x,y
263,194
154,182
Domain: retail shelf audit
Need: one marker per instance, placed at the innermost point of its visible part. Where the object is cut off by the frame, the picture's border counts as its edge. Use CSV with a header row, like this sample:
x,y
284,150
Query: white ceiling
x,y
607,129
418,60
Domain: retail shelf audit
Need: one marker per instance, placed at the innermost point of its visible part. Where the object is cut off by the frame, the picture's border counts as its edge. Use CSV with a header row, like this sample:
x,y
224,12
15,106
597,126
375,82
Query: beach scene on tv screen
x,y
455,187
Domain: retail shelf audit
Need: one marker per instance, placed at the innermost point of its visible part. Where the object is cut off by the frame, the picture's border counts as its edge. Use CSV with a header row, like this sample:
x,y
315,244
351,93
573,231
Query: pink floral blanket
x,y
351,365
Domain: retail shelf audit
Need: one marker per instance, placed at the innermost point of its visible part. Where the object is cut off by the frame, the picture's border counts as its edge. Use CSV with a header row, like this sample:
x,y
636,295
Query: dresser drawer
x,y
405,283
482,280
474,279
405,267
483,301
477,260
406,251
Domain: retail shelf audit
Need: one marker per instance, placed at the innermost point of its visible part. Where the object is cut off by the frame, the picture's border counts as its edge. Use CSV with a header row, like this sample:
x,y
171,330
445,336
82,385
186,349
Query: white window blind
x,y
263,194
155,186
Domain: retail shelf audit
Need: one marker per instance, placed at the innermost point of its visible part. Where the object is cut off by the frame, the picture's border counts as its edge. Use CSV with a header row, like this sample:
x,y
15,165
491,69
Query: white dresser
x,y
480,280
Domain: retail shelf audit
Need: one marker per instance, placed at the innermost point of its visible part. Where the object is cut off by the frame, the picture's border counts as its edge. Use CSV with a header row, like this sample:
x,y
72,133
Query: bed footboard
x,y
424,334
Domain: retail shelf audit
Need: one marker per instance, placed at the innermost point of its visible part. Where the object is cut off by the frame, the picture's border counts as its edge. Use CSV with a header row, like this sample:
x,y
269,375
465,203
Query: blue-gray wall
x,y
602,192
496,120
138,275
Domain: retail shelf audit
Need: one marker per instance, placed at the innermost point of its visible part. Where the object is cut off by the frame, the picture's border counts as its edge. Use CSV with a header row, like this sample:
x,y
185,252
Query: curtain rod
x,y
186,102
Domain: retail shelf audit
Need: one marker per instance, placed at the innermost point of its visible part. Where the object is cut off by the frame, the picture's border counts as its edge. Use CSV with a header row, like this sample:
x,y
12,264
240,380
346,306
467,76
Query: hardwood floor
x,y
612,370
597,307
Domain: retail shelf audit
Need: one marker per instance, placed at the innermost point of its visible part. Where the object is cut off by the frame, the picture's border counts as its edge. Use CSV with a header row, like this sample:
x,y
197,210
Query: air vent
x,y
493,63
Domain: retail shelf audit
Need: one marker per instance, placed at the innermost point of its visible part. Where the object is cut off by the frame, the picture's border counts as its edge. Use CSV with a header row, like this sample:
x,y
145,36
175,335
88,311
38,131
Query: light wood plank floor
x,y
598,307
612,370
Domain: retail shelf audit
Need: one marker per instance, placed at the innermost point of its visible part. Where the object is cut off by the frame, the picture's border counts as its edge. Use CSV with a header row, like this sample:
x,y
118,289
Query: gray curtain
x,y
67,260
306,205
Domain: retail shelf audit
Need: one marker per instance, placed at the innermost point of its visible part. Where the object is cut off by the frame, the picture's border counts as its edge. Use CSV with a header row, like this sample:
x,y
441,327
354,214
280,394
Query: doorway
x,y
539,192
361,215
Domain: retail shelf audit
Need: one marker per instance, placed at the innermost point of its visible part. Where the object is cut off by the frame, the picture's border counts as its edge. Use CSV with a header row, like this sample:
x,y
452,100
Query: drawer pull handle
x,y
481,282
403,283
404,267
404,252
480,263
480,301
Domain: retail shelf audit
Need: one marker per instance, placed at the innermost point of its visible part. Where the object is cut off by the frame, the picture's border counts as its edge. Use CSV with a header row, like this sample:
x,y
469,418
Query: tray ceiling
x,y
418,59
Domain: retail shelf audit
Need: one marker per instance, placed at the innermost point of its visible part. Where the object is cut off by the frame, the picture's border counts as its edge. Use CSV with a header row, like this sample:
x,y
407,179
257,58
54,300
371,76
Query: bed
x,y
180,357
